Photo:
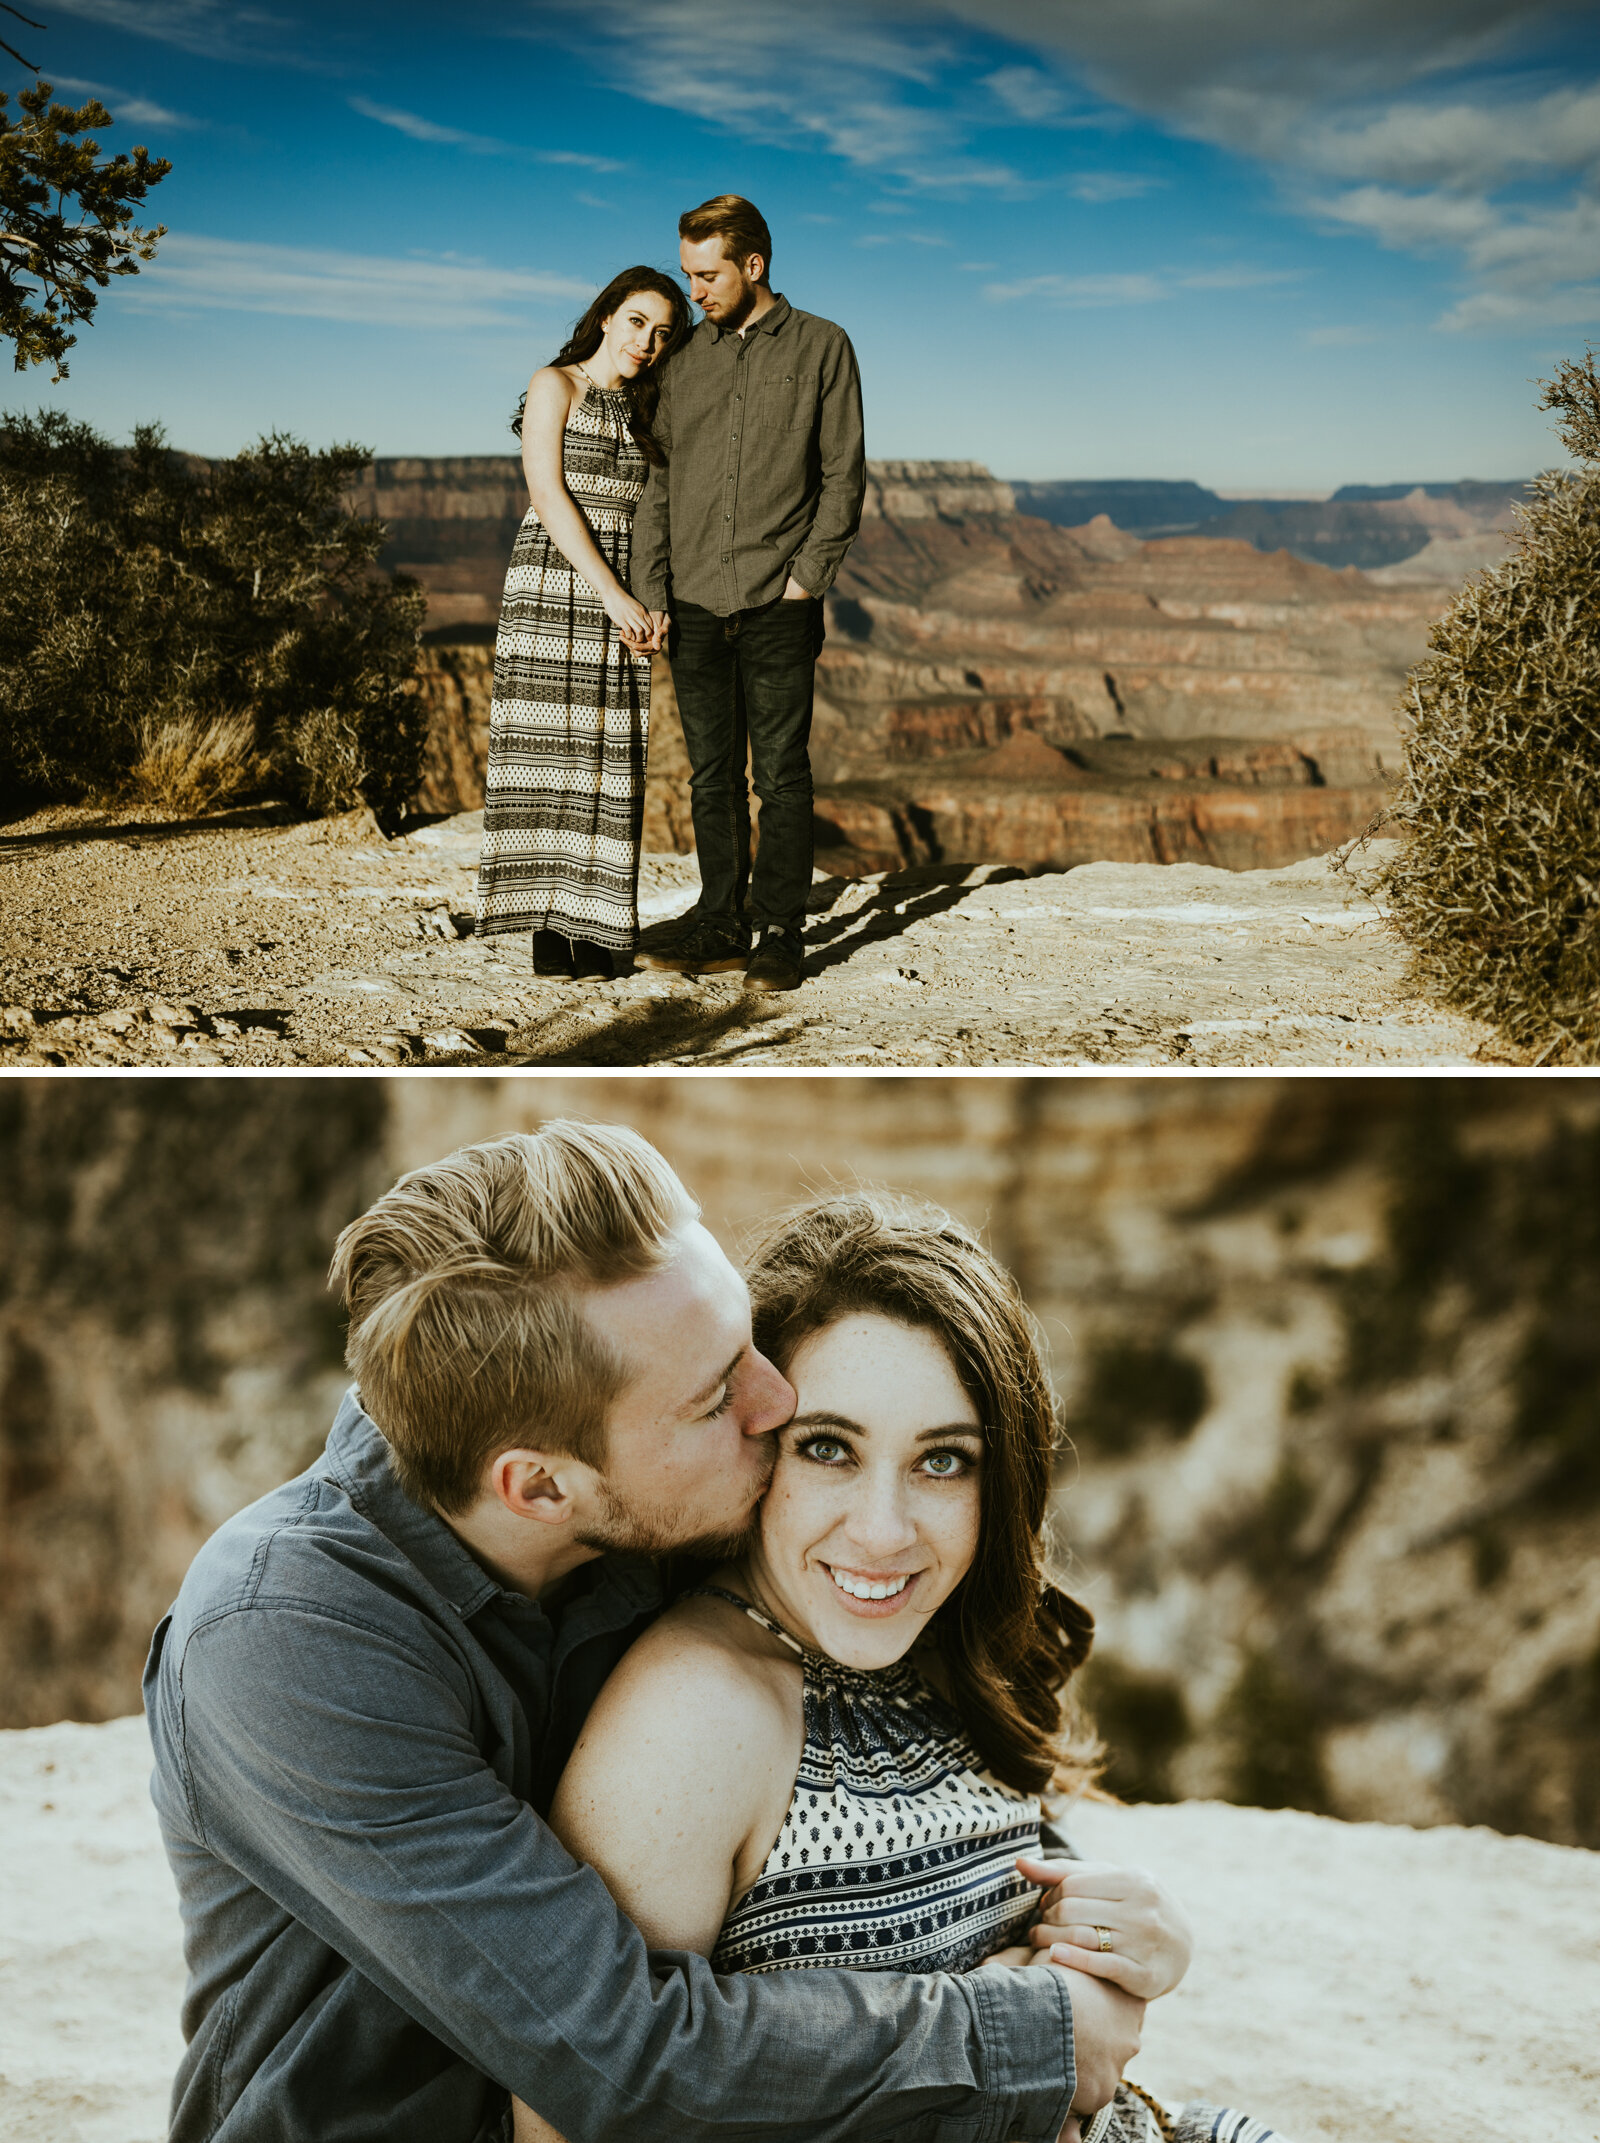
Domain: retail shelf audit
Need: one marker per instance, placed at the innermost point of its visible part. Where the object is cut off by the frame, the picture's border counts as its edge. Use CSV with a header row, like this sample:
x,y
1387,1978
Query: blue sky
x,y
1267,244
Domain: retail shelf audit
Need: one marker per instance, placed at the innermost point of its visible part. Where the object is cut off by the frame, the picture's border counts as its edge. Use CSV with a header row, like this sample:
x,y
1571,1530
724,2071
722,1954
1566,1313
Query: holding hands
x,y
1116,1923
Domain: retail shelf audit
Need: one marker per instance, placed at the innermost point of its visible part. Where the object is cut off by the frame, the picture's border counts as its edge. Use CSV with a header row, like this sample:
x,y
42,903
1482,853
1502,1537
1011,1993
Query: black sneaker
x,y
778,962
700,948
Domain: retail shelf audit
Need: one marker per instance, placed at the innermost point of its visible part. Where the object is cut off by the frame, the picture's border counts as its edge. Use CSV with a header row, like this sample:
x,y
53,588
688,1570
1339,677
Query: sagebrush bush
x,y
1497,883
145,593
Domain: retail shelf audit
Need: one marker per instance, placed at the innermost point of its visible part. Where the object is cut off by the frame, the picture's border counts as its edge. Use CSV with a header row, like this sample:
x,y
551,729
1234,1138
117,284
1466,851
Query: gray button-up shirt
x,y
765,468
356,1729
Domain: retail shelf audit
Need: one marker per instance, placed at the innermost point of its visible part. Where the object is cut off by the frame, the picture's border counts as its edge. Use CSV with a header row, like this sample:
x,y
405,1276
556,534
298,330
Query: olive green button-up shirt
x,y
765,468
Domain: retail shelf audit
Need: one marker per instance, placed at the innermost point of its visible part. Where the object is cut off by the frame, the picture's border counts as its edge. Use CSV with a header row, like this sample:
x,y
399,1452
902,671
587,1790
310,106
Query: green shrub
x,y
1144,1721
146,595
1498,884
1133,1391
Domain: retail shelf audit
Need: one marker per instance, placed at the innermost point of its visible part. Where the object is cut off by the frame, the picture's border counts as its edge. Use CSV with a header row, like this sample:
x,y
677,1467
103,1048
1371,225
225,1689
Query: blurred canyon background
x,y
1328,1351
1044,674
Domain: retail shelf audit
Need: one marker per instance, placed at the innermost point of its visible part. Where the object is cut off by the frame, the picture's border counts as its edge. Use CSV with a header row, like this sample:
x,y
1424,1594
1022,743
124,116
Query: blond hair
x,y
737,222
467,1334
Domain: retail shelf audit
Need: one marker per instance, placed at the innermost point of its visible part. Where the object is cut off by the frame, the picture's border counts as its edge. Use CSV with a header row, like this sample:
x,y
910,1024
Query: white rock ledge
x,y
1353,1983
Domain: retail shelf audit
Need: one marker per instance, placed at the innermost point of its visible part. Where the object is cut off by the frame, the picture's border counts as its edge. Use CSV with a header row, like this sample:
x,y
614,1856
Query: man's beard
x,y
624,1528
741,308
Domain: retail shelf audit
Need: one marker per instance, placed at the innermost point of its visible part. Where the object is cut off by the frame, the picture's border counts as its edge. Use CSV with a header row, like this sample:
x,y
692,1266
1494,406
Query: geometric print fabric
x,y
896,1850
896,1854
564,793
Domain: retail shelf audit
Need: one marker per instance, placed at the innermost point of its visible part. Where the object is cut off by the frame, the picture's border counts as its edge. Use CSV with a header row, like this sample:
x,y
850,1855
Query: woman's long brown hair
x,y
644,393
1010,1641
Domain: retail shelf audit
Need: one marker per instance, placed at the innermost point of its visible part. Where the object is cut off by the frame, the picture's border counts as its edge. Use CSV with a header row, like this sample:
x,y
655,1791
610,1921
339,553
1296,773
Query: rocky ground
x,y
246,940
1338,1988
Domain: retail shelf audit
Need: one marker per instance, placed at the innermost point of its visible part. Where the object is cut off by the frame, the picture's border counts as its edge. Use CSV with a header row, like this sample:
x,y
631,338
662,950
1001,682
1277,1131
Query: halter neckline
x,y
823,1663
593,382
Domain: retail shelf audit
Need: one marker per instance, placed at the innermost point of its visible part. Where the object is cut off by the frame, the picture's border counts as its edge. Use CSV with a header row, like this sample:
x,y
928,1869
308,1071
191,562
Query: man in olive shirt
x,y
736,541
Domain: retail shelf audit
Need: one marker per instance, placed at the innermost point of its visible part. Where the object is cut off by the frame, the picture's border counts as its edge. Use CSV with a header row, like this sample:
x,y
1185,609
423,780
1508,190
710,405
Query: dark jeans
x,y
749,677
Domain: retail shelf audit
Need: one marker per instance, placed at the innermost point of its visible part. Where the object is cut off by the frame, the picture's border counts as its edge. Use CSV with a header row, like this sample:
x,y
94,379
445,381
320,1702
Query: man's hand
x,y
660,620
1106,2024
1148,1932
794,593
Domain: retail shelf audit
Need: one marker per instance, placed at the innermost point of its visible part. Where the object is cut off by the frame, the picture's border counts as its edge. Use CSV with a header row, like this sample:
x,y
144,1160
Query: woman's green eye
x,y
826,1450
946,1465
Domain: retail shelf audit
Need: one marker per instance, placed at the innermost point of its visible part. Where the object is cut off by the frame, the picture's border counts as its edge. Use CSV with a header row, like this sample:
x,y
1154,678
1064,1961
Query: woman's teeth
x,y
860,1588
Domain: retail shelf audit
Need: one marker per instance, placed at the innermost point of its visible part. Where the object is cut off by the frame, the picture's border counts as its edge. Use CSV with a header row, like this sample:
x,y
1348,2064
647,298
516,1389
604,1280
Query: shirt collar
x,y
769,323
359,1458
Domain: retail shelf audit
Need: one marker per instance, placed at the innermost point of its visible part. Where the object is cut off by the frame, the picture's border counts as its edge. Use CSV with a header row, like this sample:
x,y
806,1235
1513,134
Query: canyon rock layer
x,y
998,689
1327,1352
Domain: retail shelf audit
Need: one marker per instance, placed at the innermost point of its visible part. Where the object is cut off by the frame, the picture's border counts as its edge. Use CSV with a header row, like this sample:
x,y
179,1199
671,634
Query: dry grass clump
x,y
1498,885
189,764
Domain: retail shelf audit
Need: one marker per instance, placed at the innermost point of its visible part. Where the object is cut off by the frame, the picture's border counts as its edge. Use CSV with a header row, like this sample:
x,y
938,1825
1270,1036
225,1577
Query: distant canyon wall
x,y
997,689
1328,1350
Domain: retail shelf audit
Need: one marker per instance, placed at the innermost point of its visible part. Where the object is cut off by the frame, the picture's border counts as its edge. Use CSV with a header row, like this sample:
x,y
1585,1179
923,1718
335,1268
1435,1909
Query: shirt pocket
x,y
788,401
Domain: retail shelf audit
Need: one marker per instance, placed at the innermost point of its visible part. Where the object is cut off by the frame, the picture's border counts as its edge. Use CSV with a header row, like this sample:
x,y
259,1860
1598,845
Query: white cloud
x,y
1405,121
1134,288
371,290
429,130
1083,290
1239,278
1027,92
1098,187
125,109
1398,101
840,76
213,29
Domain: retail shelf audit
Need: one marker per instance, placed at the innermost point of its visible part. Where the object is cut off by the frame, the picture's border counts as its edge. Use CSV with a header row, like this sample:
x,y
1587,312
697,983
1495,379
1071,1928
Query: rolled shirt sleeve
x,y
337,1768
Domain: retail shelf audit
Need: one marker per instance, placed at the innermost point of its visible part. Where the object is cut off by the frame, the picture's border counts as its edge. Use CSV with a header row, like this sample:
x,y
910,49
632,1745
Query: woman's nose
x,y
879,1520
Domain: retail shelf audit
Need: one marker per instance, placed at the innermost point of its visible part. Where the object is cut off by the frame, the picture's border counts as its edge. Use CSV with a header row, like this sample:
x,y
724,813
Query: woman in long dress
x,y
564,797
846,1733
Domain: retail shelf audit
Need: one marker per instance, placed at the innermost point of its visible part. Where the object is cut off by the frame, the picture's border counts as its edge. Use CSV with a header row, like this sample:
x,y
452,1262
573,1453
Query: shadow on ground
x,y
658,1030
134,832
905,897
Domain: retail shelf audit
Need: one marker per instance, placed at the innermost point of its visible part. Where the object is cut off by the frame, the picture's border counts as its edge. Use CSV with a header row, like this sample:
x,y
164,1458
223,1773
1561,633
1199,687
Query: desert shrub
x,y
1133,1391
1497,886
149,600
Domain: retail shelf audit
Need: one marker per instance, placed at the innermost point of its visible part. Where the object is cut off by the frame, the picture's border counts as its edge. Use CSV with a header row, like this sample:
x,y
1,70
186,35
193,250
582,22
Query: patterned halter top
x,y
896,1851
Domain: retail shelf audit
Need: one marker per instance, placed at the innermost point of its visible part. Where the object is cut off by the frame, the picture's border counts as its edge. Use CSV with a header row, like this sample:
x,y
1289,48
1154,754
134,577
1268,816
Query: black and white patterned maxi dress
x,y
564,798
897,1854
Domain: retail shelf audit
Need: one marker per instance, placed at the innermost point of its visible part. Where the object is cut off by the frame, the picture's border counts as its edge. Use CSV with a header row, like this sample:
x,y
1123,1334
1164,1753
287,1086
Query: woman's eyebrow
x,y
825,1421
969,1429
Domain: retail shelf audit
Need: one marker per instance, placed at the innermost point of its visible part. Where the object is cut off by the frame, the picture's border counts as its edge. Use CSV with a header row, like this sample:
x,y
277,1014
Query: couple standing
x,y
494,1822
693,490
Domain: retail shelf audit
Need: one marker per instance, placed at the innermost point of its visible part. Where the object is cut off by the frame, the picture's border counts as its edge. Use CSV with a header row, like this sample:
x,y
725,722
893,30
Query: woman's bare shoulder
x,y
702,1660
555,388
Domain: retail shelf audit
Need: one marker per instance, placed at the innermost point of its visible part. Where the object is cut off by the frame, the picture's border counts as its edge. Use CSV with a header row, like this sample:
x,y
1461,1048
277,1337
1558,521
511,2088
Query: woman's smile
x,y
873,1594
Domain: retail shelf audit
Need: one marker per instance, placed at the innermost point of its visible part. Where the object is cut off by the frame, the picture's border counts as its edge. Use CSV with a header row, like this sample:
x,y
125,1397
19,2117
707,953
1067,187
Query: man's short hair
x,y
467,1334
737,222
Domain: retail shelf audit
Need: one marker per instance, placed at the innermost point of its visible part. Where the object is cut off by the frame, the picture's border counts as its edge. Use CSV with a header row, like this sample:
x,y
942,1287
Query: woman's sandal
x,y
1133,2116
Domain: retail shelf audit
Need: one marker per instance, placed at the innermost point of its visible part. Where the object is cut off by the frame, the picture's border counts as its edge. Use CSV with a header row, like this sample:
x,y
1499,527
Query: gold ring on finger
x,y
1105,1937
